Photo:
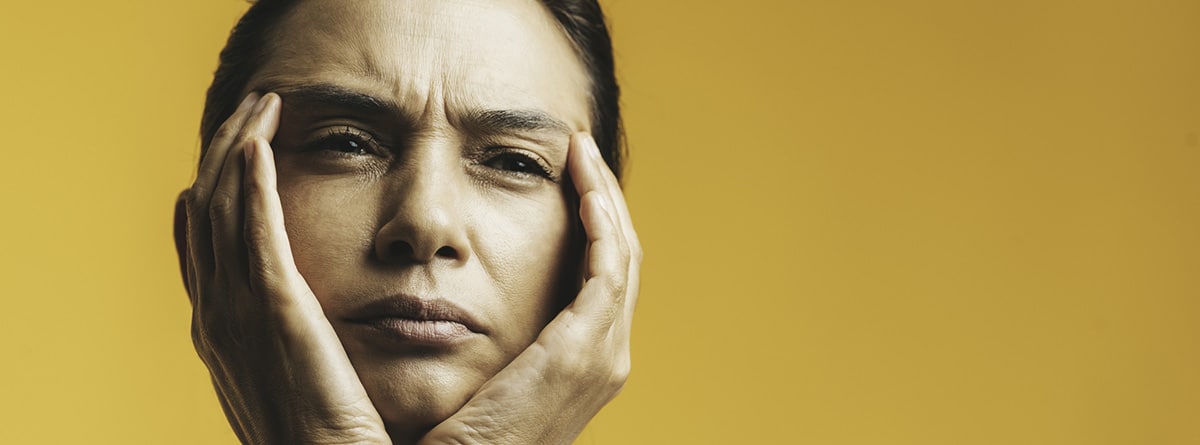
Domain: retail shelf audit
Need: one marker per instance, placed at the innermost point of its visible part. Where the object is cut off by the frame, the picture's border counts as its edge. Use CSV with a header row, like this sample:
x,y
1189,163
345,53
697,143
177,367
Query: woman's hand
x,y
581,359
279,370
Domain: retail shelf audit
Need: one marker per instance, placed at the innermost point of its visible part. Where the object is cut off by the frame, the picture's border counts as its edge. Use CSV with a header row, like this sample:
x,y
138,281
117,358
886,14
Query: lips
x,y
413,320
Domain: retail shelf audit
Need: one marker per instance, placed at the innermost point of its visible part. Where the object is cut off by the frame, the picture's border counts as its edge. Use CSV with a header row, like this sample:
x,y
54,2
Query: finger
x,y
624,300
592,165
616,194
586,167
181,248
629,235
606,243
605,267
306,334
193,286
272,265
198,225
619,334
602,234
226,207
218,147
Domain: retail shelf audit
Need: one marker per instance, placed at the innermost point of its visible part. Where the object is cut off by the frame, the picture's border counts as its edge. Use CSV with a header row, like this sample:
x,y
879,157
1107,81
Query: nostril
x,y
401,249
447,252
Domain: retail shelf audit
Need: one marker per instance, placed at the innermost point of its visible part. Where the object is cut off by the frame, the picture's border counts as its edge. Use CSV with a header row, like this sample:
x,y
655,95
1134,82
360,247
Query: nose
x,y
424,212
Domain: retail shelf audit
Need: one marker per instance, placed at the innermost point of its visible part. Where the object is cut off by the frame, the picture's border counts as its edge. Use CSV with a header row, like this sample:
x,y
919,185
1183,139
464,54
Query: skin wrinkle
x,y
498,120
524,123
490,118
517,233
474,208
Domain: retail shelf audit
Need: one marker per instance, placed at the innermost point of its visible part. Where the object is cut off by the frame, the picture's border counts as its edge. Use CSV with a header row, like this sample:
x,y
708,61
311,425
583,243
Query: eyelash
x,y
363,142
533,166
365,145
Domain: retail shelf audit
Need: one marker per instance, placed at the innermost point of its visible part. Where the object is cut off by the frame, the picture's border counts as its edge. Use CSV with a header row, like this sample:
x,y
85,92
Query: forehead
x,y
431,55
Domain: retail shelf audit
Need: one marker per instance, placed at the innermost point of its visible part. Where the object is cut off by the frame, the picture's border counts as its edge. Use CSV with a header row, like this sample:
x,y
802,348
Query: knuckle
x,y
224,133
277,291
614,283
636,253
576,326
263,280
610,375
195,198
625,251
609,315
619,375
222,204
256,233
251,187
579,365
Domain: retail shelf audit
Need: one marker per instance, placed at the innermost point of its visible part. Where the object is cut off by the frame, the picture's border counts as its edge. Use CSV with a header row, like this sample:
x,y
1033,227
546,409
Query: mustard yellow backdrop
x,y
865,222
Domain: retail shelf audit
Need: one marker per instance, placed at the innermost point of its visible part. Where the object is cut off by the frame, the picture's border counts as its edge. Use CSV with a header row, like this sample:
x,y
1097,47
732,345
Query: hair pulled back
x,y
581,20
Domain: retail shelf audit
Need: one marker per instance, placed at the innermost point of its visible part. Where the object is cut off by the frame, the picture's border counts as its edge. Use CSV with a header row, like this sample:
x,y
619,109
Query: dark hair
x,y
582,20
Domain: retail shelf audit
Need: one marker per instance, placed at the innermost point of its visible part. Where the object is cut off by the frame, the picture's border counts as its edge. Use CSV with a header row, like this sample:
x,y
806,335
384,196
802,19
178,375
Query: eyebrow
x,y
518,120
486,120
340,97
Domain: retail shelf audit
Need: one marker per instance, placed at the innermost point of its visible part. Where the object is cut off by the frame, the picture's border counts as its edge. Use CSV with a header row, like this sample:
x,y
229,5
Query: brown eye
x,y
518,163
346,140
344,145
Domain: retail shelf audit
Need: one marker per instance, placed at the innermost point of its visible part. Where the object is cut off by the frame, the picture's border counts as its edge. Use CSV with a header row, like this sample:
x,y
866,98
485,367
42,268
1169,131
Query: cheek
x,y
527,250
328,226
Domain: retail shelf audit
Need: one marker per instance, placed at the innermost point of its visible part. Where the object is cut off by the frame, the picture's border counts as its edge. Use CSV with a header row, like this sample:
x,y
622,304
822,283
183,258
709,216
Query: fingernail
x,y
250,99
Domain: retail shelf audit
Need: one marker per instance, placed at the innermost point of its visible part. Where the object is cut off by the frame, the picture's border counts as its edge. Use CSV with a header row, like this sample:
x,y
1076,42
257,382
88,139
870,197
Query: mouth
x,y
407,319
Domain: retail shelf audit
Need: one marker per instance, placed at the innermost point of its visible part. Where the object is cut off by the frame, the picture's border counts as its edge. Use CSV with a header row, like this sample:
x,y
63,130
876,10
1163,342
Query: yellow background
x,y
866,221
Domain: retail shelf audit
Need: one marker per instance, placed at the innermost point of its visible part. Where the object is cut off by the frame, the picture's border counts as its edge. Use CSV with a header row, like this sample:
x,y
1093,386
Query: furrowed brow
x,y
491,121
519,120
337,96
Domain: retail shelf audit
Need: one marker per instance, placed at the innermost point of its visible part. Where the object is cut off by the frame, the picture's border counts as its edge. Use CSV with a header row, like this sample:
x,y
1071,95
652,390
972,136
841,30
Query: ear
x,y
181,239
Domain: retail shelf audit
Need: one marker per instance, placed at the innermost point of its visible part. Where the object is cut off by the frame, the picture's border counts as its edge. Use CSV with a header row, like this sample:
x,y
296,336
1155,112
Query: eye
x,y
346,140
519,164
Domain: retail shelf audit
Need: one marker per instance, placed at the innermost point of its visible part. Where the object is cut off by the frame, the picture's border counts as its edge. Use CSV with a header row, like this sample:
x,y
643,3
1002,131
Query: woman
x,y
386,239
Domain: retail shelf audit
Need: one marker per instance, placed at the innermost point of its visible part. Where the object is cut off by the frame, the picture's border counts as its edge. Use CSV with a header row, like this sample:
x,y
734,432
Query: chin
x,y
415,393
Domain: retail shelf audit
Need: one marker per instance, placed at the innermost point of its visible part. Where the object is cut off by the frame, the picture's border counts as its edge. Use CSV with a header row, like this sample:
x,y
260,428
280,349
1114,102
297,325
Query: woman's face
x,y
422,156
